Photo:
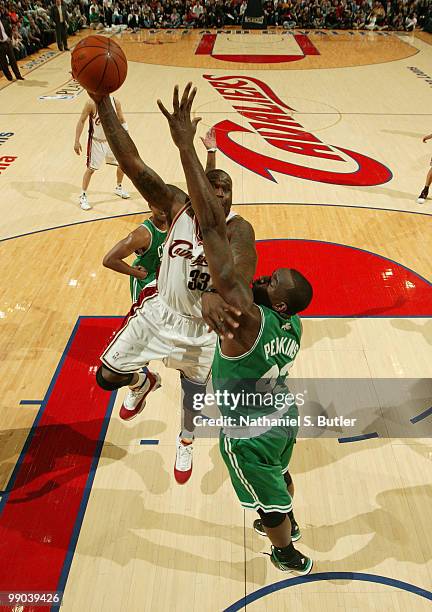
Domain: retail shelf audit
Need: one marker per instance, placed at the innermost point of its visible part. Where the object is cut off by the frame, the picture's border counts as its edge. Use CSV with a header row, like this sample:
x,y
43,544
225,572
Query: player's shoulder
x,y
236,219
146,223
237,223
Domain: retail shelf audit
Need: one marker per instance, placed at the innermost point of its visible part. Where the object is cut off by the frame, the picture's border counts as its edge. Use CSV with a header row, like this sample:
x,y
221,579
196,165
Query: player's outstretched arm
x,y
80,126
140,238
241,238
241,235
211,218
149,183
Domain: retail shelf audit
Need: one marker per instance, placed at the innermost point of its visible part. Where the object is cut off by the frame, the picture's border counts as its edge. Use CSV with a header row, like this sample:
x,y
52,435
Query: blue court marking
x,y
421,416
285,584
49,229
149,442
30,402
147,212
358,438
37,419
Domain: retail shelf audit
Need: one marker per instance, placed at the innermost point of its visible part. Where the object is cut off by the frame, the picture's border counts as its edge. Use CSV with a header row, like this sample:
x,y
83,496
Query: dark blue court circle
x,y
285,584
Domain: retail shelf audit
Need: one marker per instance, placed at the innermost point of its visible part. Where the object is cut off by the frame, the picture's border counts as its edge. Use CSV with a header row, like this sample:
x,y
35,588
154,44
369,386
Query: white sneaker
x,y
84,203
135,399
423,196
183,462
121,192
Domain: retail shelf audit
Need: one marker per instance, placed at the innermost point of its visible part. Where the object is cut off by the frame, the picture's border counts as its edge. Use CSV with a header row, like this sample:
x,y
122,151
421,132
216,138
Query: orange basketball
x,y
99,64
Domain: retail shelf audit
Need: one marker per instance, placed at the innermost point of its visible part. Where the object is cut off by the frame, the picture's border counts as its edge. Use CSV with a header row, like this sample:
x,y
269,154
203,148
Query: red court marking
x,y
349,282
40,515
259,59
306,45
206,44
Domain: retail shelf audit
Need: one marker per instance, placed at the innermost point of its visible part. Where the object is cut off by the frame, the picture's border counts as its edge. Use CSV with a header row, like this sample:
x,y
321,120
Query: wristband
x,y
213,150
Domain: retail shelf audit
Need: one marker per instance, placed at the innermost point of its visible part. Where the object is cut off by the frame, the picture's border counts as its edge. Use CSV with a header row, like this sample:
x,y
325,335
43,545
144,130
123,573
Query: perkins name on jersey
x,y
283,346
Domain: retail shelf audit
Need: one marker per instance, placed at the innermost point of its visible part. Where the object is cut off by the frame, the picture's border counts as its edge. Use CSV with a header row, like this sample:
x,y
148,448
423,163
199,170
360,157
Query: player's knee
x,y
111,381
288,479
271,519
193,394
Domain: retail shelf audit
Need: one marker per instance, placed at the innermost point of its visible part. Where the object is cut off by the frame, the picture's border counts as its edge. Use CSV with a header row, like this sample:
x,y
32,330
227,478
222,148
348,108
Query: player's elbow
x,y
107,261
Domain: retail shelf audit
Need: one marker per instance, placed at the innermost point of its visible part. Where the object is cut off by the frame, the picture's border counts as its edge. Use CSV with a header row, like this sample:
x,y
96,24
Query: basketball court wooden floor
x,y
88,503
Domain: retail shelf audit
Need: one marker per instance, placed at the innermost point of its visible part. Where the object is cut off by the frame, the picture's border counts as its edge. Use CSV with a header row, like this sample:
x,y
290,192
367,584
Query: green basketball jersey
x,y
150,260
255,380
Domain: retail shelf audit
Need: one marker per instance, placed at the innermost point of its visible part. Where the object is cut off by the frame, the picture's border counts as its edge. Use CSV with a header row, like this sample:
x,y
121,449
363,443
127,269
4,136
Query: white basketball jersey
x,y
184,272
95,125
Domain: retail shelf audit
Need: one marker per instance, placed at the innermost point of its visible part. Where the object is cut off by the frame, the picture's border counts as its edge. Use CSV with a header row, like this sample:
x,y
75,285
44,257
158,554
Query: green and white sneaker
x,y
300,565
295,530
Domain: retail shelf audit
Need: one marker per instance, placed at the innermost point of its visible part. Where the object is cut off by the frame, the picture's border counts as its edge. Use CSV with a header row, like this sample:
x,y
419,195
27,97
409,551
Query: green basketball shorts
x,y
256,467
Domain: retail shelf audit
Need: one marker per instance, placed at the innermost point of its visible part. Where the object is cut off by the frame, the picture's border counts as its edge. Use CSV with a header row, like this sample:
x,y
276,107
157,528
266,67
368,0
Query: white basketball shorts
x,y
152,330
99,151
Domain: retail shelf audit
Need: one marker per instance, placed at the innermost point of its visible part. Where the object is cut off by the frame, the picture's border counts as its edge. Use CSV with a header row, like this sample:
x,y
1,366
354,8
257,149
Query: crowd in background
x,y
31,23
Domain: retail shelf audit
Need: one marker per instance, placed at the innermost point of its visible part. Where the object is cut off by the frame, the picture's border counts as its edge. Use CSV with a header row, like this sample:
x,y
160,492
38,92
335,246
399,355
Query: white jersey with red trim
x,y
184,272
95,126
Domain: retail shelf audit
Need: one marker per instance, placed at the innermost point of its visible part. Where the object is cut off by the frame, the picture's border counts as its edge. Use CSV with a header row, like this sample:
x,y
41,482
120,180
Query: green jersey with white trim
x,y
150,260
255,383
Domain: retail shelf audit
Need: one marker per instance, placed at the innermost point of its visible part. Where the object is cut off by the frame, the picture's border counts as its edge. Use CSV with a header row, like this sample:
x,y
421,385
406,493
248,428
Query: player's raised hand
x,y
209,140
182,127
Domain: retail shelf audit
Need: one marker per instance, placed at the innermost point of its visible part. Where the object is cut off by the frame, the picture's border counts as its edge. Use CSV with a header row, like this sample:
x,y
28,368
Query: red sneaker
x,y
135,399
183,462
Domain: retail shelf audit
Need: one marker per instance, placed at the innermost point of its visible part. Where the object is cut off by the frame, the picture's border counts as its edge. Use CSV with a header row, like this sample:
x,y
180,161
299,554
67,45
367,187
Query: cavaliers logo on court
x,y
303,155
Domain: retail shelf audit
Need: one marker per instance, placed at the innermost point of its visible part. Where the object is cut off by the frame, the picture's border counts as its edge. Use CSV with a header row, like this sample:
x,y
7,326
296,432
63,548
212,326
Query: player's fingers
x,y
195,121
232,309
223,327
163,110
176,98
213,321
185,95
223,332
230,321
191,97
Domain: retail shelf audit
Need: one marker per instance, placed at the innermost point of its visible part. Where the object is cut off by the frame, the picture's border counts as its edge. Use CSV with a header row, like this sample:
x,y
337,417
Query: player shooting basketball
x,y
257,459
167,322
